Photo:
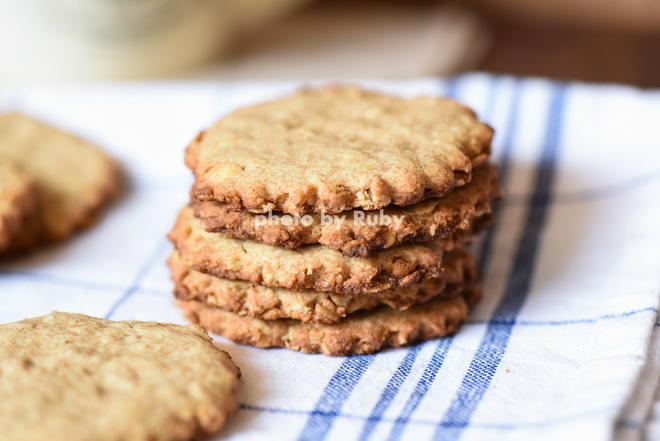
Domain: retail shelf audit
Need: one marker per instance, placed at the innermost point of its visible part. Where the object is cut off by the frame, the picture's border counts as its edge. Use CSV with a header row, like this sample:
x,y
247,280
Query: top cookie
x,y
78,378
337,148
73,178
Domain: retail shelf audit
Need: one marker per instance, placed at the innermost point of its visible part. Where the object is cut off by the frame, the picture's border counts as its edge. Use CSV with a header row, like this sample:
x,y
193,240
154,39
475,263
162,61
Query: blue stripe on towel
x,y
390,392
492,425
422,387
329,405
154,257
488,356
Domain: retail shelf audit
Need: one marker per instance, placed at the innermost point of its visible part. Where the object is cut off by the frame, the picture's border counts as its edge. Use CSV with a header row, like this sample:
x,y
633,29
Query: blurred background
x,y
73,40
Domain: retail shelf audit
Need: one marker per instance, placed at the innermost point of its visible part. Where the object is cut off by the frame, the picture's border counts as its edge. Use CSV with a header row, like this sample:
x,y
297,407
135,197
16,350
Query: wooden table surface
x,y
587,55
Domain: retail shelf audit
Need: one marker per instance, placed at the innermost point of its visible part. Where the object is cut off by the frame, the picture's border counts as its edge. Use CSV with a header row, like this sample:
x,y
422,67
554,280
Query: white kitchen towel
x,y
651,417
571,268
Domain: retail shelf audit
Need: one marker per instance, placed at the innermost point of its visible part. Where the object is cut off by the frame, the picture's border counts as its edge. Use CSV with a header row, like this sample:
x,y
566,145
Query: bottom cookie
x,y
359,333
77,378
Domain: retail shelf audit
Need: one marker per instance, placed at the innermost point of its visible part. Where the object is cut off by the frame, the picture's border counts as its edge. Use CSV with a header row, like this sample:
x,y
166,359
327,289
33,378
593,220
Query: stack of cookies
x,y
334,221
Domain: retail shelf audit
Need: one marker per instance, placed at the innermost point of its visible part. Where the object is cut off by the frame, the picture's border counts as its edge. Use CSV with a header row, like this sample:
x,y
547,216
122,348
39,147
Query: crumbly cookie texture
x,y
350,233
337,148
78,378
313,267
255,301
73,178
17,206
360,333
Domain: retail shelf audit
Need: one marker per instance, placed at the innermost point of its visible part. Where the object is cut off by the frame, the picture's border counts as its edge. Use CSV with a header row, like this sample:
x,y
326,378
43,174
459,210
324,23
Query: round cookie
x,y
350,233
313,267
255,301
337,148
360,333
73,178
78,378
17,206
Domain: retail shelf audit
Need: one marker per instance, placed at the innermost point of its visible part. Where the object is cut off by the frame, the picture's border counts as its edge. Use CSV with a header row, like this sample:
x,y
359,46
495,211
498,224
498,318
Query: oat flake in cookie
x,y
337,148
72,377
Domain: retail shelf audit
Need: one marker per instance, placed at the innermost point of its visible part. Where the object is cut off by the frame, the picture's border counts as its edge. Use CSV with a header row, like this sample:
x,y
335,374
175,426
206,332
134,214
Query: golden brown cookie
x,y
255,301
78,378
337,148
312,267
351,233
359,333
17,206
74,178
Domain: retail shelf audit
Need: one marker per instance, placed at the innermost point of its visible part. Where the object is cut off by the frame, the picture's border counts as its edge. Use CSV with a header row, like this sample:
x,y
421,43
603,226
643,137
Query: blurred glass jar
x,y
118,39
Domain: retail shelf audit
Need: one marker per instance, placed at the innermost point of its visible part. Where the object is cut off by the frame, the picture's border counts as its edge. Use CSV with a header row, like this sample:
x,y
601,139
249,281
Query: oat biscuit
x,y
359,333
350,232
254,301
17,206
73,178
337,148
312,267
78,378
